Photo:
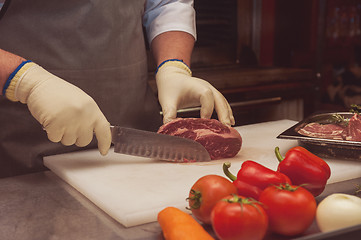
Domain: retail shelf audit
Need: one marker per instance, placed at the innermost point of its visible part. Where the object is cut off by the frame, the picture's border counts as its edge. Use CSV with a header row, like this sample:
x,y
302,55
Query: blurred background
x,y
276,59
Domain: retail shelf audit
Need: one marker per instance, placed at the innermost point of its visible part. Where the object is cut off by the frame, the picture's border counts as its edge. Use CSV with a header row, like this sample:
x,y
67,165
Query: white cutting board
x,y
133,190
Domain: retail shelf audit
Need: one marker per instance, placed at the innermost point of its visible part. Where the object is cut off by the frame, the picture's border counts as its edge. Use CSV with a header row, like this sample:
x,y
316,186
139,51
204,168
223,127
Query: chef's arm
x,y
173,45
176,87
68,114
8,63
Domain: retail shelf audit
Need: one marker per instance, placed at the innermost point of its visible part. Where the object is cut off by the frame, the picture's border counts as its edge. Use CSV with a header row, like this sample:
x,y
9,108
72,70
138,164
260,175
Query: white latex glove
x,y
66,112
178,89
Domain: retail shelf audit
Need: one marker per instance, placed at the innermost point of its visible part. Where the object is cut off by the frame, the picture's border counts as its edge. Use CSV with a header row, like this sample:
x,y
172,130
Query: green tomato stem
x,y
196,197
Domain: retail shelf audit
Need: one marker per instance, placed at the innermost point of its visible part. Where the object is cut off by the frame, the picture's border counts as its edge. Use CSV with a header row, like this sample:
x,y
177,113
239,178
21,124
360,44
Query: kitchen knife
x,y
158,146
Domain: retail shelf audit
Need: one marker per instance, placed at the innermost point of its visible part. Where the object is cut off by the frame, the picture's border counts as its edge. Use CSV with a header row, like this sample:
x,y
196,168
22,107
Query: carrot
x,y
178,225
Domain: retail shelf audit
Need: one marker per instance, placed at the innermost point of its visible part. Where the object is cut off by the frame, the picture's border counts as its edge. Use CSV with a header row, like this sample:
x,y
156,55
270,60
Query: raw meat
x,y
219,140
354,129
351,132
329,131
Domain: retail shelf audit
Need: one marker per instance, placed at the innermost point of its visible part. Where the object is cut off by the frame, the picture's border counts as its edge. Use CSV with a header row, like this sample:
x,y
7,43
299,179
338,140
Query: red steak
x,y
351,132
219,140
354,128
330,131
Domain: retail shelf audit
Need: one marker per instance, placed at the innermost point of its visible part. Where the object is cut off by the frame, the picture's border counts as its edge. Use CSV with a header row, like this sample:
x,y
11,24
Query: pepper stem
x,y
278,154
226,171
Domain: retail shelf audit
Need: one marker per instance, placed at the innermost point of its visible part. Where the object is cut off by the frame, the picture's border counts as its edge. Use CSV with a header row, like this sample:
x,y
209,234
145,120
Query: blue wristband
x,y
169,60
8,81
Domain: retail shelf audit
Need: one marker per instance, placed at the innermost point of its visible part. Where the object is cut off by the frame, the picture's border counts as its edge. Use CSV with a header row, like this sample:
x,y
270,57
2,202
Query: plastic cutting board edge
x,y
133,190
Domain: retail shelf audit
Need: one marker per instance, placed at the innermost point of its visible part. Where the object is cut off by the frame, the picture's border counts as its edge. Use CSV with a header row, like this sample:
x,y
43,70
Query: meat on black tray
x,y
351,131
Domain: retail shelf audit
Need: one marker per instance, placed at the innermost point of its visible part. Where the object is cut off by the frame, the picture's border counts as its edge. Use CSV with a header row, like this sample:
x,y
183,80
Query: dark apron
x,y
96,45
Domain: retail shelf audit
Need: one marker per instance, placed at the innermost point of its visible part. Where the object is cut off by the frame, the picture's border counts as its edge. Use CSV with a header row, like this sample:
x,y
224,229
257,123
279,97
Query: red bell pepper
x,y
304,168
253,178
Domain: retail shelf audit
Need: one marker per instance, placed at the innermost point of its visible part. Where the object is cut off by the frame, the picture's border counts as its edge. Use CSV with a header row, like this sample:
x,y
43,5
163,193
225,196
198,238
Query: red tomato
x,y
290,209
206,192
237,217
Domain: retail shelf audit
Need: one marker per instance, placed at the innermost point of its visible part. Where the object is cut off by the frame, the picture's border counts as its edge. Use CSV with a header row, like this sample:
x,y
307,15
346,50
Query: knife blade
x,y
142,143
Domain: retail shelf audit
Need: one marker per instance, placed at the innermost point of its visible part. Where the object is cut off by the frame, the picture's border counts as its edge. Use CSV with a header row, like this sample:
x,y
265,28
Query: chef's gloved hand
x,y
178,89
66,112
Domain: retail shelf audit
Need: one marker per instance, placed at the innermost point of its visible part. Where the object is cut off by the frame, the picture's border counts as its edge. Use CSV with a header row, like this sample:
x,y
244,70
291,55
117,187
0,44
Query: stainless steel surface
x,y
158,146
331,148
41,206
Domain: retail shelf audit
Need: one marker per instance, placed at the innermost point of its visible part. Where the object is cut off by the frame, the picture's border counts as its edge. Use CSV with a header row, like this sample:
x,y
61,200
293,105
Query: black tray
x,y
330,148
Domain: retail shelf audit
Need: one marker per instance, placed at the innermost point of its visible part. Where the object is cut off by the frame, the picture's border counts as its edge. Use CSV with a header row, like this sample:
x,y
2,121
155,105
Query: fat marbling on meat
x,y
218,139
350,132
354,129
329,131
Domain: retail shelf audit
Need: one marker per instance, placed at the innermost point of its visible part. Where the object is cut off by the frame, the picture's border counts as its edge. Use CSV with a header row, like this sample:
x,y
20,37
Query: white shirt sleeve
x,y
169,15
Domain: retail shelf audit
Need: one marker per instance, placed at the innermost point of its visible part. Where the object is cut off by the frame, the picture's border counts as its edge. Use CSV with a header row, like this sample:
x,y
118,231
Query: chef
x,y
70,69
